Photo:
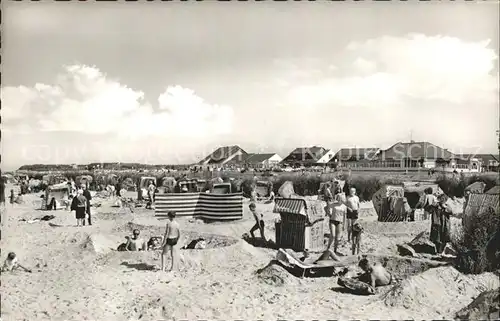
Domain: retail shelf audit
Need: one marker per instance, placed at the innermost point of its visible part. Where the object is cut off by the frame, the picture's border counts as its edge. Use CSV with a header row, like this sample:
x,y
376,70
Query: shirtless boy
x,y
11,263
172,235
375,274
352,211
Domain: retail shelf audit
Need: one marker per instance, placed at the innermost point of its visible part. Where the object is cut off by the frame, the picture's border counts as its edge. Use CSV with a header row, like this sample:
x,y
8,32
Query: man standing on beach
x,y
352,211
172,235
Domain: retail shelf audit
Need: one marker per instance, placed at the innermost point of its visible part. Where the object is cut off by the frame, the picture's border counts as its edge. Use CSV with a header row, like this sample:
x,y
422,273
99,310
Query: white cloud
x,y
395,71
83,99
364,66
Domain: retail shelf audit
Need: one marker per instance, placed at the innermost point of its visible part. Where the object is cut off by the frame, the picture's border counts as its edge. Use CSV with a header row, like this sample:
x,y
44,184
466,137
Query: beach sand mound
x,y
276,275
443,289
485,307
101,244
403,267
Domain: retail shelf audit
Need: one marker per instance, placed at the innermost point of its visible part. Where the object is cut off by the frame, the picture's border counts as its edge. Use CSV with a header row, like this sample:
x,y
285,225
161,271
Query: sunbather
x,y
374,274
135,243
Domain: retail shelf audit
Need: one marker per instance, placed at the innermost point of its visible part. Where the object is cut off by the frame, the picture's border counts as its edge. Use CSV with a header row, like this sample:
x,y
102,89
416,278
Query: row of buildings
x,y
411,155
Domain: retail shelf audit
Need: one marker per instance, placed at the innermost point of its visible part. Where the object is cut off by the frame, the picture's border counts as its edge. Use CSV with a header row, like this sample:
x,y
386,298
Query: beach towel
x,y
356,286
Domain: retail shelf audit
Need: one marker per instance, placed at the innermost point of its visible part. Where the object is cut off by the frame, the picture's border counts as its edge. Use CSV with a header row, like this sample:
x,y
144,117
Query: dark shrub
x,y
471,242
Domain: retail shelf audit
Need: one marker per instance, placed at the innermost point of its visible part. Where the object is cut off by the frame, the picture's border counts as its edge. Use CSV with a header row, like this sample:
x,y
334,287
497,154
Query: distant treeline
x,y
91,166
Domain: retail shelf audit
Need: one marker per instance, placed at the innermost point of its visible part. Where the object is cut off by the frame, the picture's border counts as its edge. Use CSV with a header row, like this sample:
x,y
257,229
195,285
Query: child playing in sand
x,y
172,235
11,263
259,222
374,274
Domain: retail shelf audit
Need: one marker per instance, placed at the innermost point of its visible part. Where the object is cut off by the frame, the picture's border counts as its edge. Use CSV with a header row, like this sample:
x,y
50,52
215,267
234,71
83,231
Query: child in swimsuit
x,y
357,230
11,263
172,235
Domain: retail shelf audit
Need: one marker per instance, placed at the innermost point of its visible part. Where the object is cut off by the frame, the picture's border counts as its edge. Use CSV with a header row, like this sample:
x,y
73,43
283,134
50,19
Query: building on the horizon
x,y
346,157
411,155
225,155
306,156
415,155
486,162
263,161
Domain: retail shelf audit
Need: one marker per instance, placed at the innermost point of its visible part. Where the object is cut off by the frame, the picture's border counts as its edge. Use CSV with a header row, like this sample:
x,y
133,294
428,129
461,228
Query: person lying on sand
x,y
374,274
154,243
134,243
11,263
328,255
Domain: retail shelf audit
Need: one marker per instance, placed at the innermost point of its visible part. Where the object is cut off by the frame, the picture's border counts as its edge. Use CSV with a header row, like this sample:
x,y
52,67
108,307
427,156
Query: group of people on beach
x,y
168,244
340,208
439,210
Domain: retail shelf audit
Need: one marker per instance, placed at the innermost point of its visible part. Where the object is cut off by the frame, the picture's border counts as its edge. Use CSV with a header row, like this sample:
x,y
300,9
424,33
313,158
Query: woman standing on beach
x,y
337,218
440,224
79,205
429,203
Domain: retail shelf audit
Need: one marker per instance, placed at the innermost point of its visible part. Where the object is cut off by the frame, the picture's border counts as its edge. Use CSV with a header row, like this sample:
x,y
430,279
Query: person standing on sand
x,y
79,205
87,195
12,197
337,218
259,222
172,235
328,197
253,195
352,211
442,236
429,203
151,194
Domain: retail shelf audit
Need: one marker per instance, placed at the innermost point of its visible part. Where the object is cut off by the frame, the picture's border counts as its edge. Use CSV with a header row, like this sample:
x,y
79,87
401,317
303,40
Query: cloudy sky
x,y
169,82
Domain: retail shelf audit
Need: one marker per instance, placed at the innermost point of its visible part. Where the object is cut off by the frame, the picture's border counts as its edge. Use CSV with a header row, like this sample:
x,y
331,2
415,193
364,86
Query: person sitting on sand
x,y
374,274
259,222
135,243
172,235
11,263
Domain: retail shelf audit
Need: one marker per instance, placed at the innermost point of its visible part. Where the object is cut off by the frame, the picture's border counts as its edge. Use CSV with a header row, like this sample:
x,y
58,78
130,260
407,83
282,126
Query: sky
x,y
168,82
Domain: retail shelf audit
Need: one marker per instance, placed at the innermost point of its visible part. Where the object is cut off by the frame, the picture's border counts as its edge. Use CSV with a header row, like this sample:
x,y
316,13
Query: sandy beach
x,y
78,275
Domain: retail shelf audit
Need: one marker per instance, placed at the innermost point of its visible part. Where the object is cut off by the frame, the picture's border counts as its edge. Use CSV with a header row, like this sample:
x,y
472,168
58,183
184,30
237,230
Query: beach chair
x,y
288,260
